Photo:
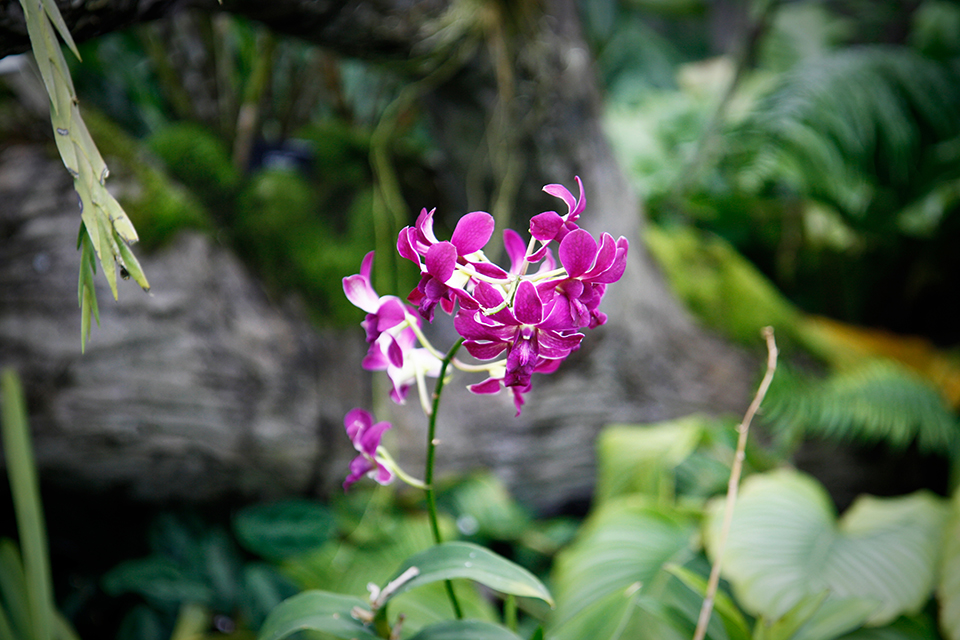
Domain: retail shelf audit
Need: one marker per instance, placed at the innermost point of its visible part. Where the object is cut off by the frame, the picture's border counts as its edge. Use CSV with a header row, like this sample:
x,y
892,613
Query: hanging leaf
x,y
106,224
785,544
317,611
452,560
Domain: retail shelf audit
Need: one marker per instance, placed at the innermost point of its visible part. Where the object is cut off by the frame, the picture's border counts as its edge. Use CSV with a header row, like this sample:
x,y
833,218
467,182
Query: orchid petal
x,y
472,232
370,439
577,252
490,385
527,306
516,249
545,226
441,260
356,421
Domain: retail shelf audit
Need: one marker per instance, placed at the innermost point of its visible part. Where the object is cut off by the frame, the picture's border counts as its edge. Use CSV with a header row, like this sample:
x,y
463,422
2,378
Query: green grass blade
x,y
26,501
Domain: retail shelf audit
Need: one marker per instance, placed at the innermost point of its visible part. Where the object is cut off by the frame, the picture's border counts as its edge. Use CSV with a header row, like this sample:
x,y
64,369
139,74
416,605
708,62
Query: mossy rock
x,y
280,229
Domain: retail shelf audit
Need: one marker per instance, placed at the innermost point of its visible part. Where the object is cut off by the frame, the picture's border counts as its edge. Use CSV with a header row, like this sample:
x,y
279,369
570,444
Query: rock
x,y
199,389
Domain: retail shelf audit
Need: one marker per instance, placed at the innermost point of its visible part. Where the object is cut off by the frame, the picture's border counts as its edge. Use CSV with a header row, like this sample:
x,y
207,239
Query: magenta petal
x,y
370,439
545,226
356,421
359,467
384,476
577,252
527,305
472,232
606,254
484,350
441,260
487,295
405,246
390,314
425,226
489,270
395,353
560,191
490,385
515,247
360,294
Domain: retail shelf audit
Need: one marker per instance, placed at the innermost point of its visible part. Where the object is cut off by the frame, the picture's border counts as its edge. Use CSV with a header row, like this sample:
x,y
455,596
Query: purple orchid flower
x,y
535,341
441,282
402,368
550,225
366,437
590,268
383,312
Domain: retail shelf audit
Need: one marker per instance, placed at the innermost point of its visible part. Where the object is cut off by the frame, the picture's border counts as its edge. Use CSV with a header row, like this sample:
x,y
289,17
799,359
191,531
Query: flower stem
x,y
431,457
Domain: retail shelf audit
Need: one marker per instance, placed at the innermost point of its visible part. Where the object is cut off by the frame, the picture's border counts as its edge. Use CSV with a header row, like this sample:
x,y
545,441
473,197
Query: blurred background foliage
x,y
799,166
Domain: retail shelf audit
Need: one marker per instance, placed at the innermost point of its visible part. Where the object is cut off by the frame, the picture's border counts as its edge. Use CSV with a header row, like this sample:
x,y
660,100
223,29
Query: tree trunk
x,y
510,92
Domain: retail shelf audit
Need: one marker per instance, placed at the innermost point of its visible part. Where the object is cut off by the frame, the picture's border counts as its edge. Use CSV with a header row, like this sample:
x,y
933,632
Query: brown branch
x,y
732,487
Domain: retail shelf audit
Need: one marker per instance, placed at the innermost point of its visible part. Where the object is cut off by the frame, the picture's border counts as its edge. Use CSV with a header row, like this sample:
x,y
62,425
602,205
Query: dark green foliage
x,y
194,564
194,155
282,529
158,205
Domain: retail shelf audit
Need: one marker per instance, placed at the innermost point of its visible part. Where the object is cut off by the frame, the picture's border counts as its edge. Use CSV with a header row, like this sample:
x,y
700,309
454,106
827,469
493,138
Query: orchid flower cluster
x,y
516,322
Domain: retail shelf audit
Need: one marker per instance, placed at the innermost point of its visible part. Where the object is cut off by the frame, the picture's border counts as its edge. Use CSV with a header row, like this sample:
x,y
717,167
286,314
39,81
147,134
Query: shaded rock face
x,y
198,389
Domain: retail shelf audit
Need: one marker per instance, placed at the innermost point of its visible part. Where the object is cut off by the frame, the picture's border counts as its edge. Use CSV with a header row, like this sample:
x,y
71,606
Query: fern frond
x,y
877,401
836,120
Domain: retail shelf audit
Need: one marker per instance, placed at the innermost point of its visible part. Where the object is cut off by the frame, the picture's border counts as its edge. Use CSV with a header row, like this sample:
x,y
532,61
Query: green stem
x,y
431,457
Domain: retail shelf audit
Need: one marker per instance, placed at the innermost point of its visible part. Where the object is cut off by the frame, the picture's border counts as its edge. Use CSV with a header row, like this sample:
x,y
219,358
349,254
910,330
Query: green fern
x,y
839,125
878,400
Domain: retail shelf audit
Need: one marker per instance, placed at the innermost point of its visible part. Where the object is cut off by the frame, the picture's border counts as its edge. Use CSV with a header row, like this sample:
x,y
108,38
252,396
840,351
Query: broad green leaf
x,y
318,611
815,617
378,545
732,618
484,507
785,544
466,560
462,629
641,458
614,570
921,627
158,579
835,617
283,529
948,591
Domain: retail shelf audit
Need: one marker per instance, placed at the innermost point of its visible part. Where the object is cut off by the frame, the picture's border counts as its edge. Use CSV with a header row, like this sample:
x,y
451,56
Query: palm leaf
x,y
876,400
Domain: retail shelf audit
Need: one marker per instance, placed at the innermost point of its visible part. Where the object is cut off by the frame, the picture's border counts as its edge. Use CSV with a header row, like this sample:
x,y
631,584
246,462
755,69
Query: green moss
x,y
280,228
195,156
